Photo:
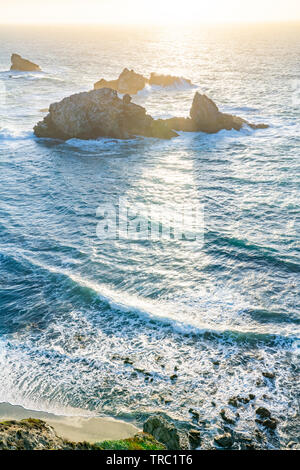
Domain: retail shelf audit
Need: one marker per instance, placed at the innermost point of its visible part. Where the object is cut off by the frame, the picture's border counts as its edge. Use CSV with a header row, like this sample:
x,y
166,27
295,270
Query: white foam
x,y
217,311
7,133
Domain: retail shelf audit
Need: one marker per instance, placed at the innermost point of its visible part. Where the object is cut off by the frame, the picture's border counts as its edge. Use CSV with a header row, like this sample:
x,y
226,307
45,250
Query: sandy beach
x,y
74,428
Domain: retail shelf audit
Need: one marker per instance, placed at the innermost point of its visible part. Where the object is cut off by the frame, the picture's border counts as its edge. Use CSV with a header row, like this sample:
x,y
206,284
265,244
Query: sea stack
x,y
131,82
168,80
24,65
206,117
128,82
100,113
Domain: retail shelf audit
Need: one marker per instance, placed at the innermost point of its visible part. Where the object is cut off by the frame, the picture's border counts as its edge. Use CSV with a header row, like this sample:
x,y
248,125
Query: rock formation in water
x,y
24,65
100,113
167,80
131,82
128,82
206,117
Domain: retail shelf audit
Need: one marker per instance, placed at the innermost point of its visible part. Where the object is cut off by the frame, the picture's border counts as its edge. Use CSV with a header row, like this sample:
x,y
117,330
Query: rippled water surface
x,y
103,325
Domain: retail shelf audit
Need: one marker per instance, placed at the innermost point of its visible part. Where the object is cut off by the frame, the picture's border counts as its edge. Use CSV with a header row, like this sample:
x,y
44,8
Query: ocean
x,y
129,326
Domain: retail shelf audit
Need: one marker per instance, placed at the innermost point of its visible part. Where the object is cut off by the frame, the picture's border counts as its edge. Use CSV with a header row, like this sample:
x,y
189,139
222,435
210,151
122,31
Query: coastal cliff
x,y
35,434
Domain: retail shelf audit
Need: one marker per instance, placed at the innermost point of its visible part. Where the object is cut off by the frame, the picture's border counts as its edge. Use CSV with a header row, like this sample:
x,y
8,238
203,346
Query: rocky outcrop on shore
x,y
131,82
167,433
100,113
23,65
206,117
34,434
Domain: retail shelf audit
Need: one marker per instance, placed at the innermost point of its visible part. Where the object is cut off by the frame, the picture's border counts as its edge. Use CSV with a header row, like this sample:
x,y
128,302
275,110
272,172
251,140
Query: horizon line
x,y
141,23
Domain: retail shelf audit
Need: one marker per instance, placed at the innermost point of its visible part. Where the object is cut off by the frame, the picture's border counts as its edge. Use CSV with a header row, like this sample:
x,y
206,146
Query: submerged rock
x,y
18,63
128,82
167,433
99,113
206,117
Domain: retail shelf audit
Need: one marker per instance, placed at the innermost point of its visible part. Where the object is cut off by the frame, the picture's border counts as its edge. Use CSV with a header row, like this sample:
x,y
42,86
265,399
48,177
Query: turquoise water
x,y
98,327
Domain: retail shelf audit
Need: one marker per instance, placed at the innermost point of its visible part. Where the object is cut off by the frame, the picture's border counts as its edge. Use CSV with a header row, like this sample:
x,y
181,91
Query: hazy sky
x,y
147,11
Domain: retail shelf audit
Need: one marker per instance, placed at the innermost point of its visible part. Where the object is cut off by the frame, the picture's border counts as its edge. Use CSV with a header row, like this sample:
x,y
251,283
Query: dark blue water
x,y
99,326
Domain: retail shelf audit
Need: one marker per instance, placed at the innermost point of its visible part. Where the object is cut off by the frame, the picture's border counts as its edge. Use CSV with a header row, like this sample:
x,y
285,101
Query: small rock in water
x,y
224,440
23,65
233,402
269,423
227,416
195,413
194,438
167,80
127,360
263,412
269,375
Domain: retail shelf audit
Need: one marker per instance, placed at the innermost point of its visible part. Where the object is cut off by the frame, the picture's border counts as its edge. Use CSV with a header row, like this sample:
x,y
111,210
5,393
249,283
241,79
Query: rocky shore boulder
x,y
206,117
128,82
99,113
18,63
32,434
167,433
167,80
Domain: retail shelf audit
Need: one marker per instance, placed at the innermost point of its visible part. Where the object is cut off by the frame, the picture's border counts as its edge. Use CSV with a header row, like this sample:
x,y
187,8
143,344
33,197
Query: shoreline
x,y
73,428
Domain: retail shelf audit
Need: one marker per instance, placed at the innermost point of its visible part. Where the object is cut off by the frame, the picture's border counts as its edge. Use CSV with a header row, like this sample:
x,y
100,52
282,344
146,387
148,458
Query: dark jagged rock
x,y
128,82
263,412
206,117
99,113
167,80
227,416
24,65
166,433
269,375
194,438
270,423
266,419
224,440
